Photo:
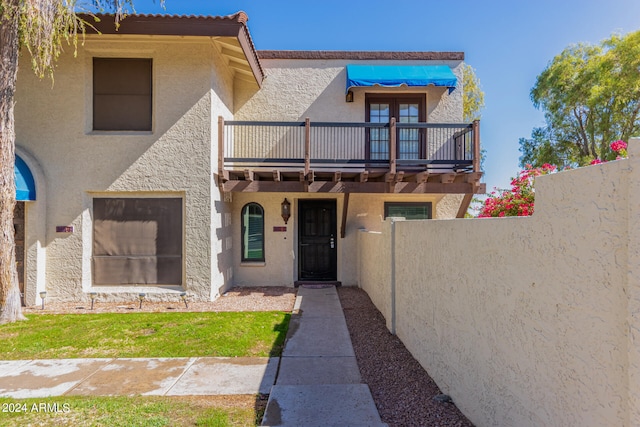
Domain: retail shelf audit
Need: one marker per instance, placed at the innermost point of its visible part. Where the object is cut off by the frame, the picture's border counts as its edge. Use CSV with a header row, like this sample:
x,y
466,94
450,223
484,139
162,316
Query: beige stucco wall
x,y
296,89
526,321
365,211
191,88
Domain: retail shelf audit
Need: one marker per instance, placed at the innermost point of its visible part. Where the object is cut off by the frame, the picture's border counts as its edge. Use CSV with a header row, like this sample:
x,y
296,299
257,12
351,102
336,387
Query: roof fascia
x,y
165,25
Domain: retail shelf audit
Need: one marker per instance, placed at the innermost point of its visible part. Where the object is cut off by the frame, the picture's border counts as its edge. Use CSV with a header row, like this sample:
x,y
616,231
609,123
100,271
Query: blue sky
x,y
508,42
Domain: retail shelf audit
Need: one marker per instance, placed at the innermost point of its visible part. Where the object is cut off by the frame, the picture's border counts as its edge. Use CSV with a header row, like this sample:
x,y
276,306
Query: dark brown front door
x,y
18,225
317,240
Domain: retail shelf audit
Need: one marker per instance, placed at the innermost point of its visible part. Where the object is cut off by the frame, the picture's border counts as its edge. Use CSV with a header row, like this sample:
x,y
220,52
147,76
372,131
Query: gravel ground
x,y
402,390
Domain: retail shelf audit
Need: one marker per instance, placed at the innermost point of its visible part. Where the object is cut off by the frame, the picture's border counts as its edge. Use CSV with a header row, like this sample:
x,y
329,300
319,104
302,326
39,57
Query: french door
x,y
406,109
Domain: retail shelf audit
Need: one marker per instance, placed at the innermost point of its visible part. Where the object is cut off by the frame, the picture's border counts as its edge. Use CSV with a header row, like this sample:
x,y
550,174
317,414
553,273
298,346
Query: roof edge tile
x,y
359,55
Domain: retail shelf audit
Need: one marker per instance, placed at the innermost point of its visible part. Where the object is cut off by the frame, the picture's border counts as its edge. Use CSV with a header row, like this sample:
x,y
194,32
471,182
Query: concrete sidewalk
x,y
319,381
154,376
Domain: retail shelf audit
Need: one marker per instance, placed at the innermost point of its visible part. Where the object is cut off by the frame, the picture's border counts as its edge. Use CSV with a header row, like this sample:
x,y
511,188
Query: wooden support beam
x,y
337,176
249,175
353,187
399,176
447,178
301,176
221,178
392,145
307,145
472,177
389,177
364,176
220,145
464,206
422,177
276,175
345,209
311,176
476,145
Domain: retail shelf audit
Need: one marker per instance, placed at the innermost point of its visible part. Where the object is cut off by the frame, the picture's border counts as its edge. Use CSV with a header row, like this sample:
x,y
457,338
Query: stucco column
x,y
633,281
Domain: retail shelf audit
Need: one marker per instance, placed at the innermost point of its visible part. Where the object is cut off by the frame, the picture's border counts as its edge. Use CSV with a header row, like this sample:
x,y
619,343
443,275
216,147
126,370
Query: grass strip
x,y
207,334
133,411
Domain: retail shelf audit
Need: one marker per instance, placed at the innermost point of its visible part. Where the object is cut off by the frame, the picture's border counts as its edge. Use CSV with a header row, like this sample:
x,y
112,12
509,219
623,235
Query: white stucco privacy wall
x,y
525,321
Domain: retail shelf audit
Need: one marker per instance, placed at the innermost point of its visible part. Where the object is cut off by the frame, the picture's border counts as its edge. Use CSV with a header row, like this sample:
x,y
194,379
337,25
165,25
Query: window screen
x,y
408,210
137,241
122,94
252,232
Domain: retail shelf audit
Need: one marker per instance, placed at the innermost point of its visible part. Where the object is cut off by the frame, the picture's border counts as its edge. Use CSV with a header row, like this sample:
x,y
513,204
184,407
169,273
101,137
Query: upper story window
x,y
252,232
122,96
406,109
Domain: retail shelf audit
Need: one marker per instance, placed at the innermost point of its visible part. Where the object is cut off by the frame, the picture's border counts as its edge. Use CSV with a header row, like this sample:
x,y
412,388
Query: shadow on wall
x,y
525,320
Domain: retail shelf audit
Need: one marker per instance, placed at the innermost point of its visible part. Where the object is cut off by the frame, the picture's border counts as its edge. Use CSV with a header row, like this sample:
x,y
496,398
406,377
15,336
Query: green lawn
x,y
131,411
51,336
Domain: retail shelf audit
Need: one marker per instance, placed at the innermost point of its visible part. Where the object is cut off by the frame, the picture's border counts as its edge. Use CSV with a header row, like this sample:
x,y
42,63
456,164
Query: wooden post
x,y
345,210
476,145
392,145
220,148
307,146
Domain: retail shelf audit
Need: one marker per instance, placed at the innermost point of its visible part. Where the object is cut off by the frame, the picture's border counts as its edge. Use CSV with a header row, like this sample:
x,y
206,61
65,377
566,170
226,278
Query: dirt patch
x,y
272,298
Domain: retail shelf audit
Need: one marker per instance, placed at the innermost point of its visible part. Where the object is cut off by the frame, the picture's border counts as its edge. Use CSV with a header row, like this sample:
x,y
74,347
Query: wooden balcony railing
x,y
433,147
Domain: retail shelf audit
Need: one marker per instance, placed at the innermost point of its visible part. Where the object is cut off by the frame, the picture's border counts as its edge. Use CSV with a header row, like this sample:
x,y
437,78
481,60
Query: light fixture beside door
x,y
285,210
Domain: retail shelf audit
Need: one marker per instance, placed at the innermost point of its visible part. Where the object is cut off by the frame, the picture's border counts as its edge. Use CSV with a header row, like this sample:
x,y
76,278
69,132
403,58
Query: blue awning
x,y
25,184
399,75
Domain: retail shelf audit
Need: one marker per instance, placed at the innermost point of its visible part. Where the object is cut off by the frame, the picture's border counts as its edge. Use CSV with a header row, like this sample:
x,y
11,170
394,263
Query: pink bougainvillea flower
x,y
595,162
618,145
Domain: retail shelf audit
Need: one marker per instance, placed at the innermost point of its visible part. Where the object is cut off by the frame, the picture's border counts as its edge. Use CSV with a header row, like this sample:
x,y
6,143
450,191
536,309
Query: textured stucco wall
x,y
365,211
296,89
191,88
528,321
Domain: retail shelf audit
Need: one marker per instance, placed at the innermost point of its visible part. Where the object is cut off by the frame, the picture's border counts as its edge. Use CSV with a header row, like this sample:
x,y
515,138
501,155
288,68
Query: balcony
x,y
349,157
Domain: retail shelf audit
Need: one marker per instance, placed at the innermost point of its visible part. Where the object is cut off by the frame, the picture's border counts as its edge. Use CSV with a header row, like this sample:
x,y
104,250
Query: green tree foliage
x,y
472,101
590,96
472,94
41,28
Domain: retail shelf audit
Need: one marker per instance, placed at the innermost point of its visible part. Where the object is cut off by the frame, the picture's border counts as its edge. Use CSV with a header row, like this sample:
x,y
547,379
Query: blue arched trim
x,y
25,184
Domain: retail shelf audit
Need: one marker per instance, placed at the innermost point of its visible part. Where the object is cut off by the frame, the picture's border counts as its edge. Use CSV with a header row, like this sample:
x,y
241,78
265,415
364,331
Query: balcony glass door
x,y
406,110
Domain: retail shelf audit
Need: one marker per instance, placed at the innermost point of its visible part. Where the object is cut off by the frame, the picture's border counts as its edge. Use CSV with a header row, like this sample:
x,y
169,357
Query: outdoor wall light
x,y
43,295
349,97
141,297
183,297
285,210
93,296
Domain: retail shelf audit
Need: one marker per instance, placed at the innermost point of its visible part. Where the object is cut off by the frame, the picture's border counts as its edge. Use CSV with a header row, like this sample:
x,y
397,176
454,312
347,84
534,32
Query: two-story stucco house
x,y
172,156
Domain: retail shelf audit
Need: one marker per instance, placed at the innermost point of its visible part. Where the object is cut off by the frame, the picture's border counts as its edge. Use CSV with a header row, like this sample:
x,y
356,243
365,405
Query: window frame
x,y
172,238
394,100
111,125
428,205
245,228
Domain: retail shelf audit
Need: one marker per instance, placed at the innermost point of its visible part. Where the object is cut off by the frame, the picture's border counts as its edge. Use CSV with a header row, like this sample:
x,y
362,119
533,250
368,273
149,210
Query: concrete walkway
x,y
159,376
319,383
